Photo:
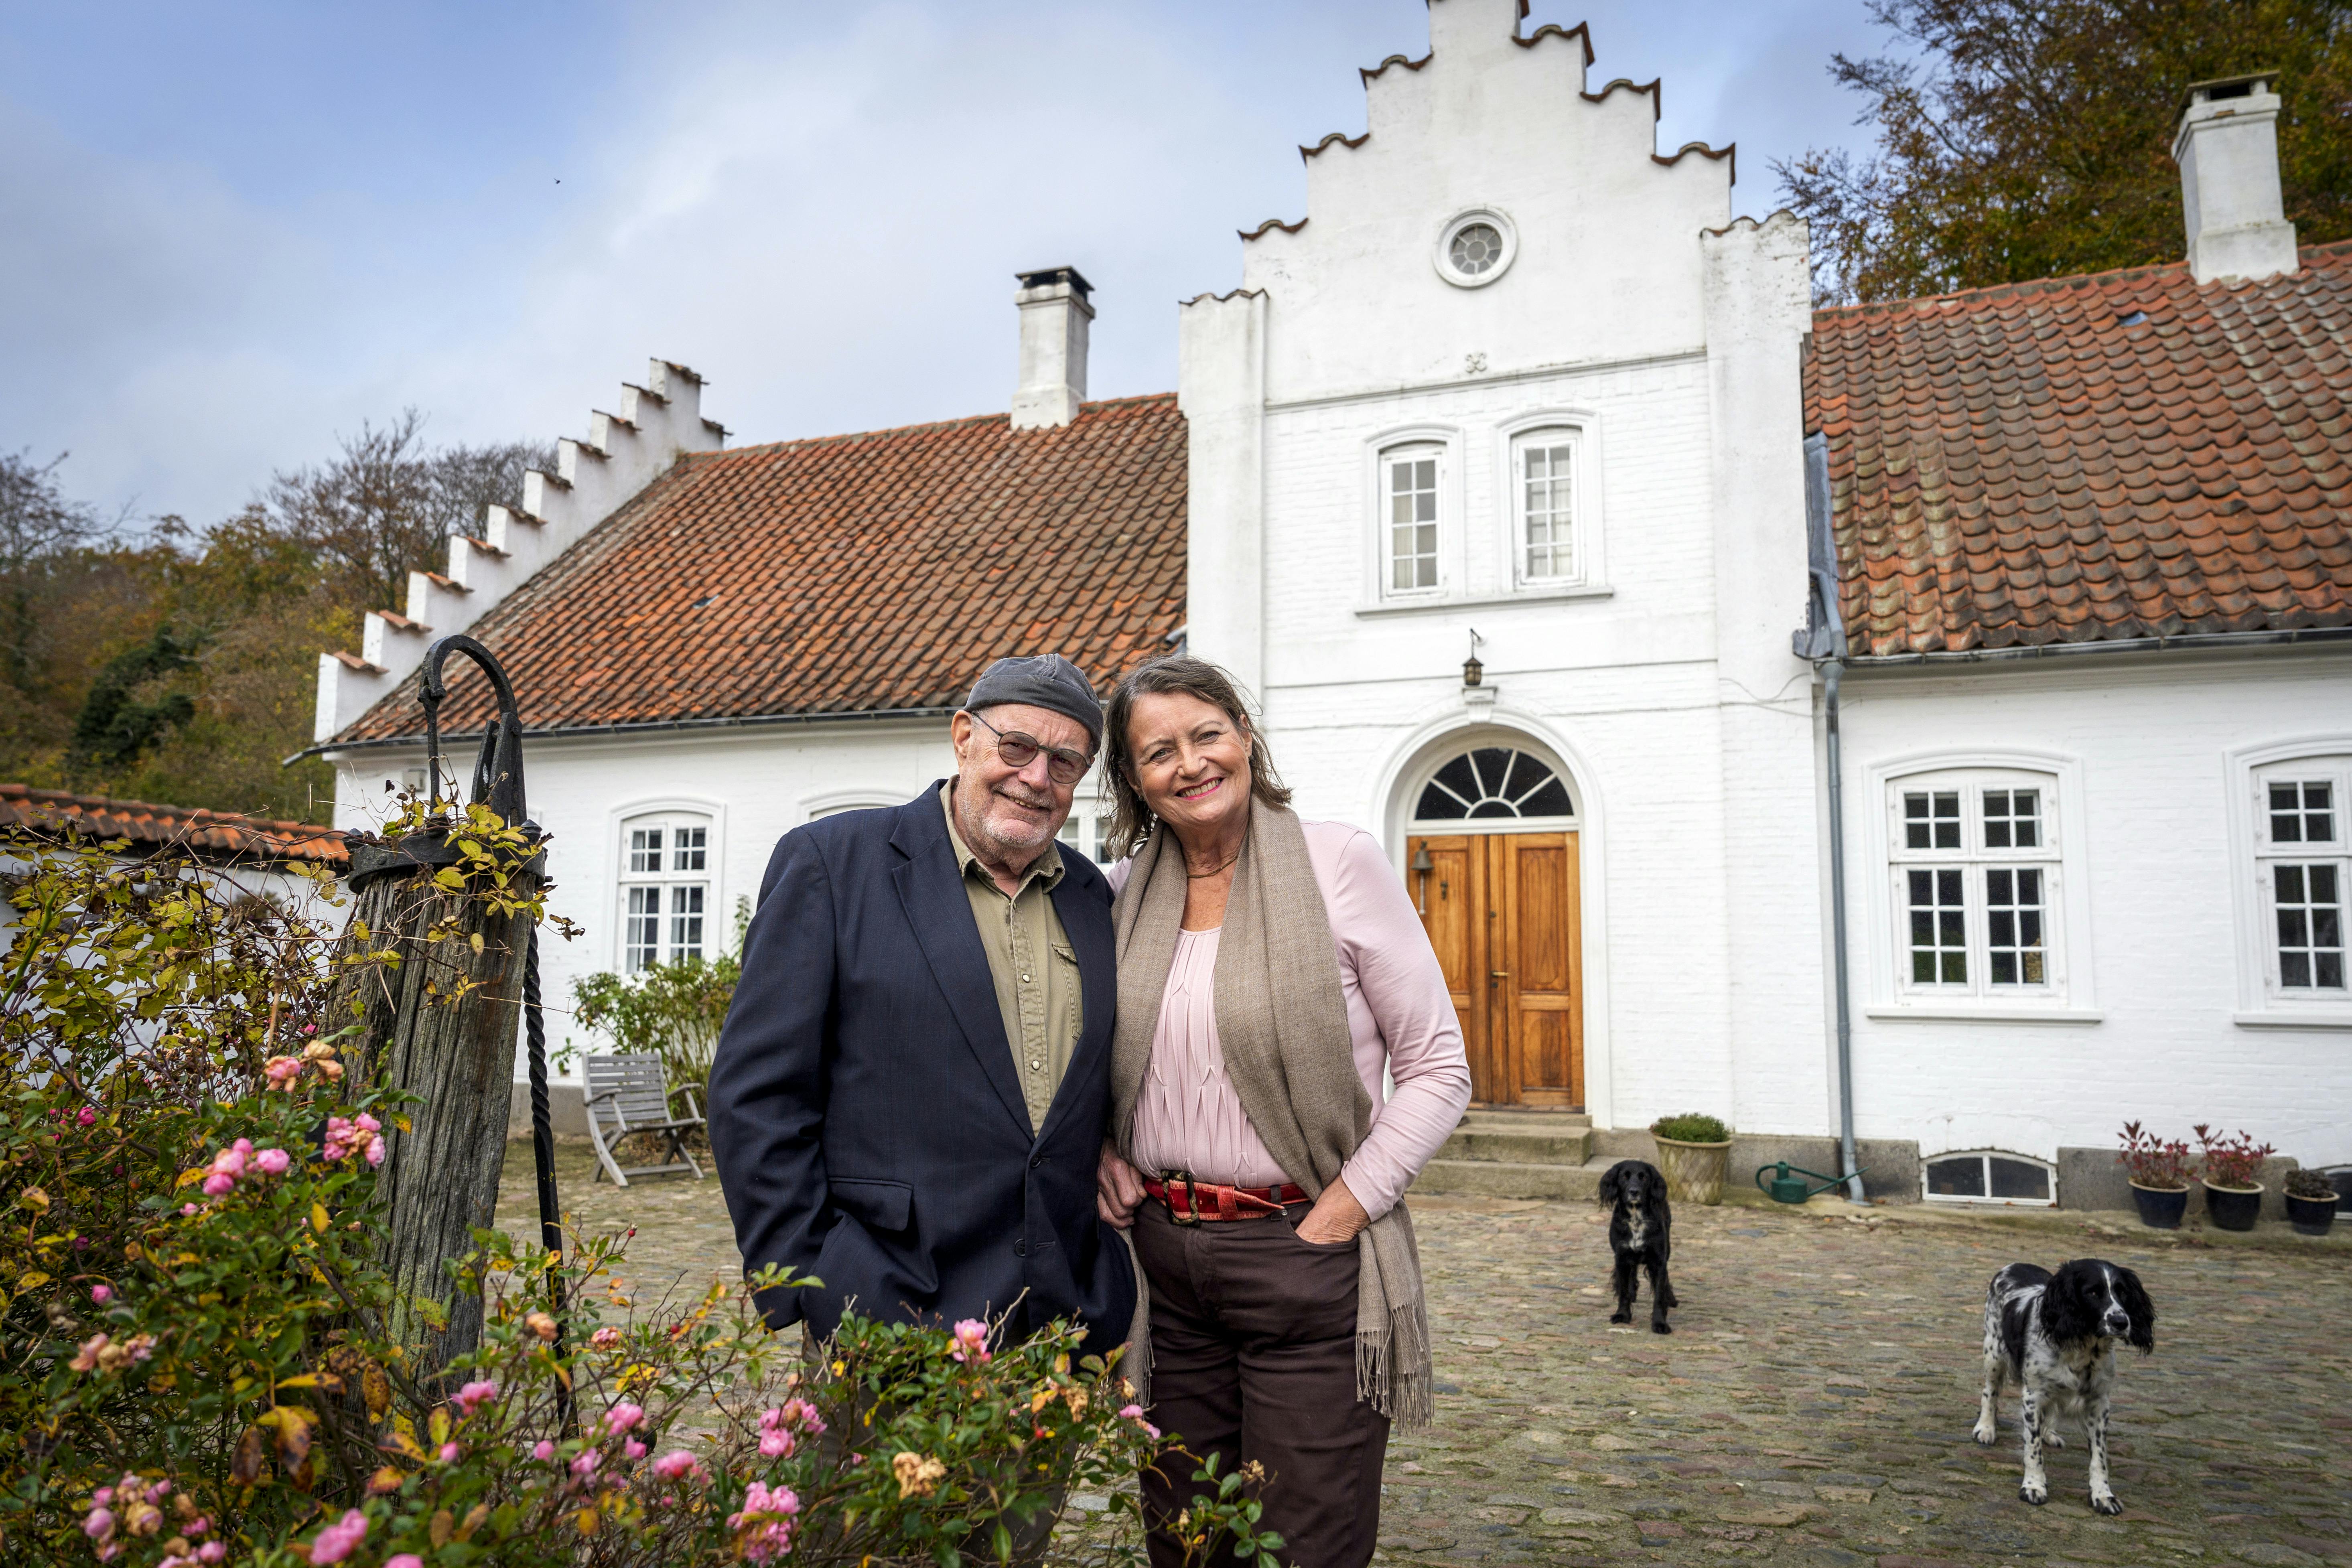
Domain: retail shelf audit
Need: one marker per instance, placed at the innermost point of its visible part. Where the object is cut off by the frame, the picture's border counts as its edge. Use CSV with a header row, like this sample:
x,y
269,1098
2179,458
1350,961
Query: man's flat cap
x,y
1042,680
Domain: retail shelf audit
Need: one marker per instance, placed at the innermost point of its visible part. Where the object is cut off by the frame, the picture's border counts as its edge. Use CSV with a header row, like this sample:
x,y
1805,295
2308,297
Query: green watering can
x,y
1786,1187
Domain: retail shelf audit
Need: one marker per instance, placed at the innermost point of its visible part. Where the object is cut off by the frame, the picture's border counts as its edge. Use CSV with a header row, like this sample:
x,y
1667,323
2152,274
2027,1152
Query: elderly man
x,y
910,1091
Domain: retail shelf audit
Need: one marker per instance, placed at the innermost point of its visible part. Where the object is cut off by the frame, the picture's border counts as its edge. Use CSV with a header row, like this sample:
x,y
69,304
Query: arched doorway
x,y
1491,857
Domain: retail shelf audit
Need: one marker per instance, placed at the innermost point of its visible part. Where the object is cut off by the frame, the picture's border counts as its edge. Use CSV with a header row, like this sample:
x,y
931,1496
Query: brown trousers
x,y
1253,1357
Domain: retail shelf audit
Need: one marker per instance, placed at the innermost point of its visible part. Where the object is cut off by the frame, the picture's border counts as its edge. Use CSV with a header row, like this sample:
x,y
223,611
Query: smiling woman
x,y
1247,1077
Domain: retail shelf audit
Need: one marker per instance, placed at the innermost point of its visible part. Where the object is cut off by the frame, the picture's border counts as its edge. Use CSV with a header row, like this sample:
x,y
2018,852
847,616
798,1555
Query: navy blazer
x,y
866,1116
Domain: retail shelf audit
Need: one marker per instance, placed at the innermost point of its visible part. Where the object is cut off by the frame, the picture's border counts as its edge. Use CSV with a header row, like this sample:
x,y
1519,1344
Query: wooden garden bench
x,y
629,1094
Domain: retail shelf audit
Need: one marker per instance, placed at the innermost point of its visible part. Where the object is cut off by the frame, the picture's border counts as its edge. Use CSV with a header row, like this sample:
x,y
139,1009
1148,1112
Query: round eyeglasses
x,y
1017,750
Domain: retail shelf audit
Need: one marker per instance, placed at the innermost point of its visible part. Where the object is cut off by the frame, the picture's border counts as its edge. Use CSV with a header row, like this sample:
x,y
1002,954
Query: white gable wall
x,y
1674,355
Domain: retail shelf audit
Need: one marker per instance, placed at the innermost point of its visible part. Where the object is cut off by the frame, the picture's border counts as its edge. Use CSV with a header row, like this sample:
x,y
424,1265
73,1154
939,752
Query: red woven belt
x,y
1189,1202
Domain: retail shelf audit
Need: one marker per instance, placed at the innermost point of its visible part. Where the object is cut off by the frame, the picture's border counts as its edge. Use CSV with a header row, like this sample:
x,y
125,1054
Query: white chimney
x,y
1054,317
2227,148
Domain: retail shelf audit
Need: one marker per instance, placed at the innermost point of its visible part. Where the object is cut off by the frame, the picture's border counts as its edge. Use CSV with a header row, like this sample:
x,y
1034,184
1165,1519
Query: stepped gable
x,y
2080,460
849,575
208,834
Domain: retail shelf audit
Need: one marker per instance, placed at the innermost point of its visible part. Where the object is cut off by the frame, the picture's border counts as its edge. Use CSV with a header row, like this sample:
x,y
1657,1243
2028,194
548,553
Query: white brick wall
x,y
2150,737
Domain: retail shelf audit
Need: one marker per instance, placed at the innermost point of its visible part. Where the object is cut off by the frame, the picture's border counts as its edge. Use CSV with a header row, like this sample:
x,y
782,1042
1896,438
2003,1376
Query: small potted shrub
x,y
1693,1151
2233,1197
2158,1172
2311,1200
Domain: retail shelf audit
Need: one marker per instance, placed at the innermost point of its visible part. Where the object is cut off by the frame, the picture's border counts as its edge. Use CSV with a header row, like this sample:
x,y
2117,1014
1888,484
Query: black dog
x,y
1638,1234
2055,1336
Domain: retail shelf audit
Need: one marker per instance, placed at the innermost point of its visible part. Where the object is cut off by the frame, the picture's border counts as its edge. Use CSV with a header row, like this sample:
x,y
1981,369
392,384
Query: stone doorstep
x,y
1525,1148
1509,1179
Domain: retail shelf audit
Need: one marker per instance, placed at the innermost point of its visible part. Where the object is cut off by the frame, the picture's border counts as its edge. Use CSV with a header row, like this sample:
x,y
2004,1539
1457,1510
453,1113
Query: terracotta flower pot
x,y
1693,1172
2160,1208
2233,1208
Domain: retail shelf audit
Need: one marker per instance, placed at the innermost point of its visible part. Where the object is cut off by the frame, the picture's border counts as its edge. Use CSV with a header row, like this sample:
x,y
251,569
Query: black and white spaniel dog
x,y
2053,1335
1640,1223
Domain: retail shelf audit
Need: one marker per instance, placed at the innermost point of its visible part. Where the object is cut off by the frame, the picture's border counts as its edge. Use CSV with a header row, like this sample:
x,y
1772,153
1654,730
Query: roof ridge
x,y
956,422
2059,281
34,794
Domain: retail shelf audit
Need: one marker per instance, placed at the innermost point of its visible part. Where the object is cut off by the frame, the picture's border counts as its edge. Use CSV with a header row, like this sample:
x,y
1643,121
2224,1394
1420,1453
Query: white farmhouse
x,y
1675,636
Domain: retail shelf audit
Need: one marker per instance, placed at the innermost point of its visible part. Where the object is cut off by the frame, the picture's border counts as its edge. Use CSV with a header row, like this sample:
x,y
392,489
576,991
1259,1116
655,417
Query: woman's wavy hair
x,y
1178,674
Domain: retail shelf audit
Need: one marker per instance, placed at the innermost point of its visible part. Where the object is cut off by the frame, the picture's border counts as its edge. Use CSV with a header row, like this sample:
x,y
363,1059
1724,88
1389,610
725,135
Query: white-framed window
x,y
2303,872
1412,503
666,864
1974,873
1989,1176
1546,469
1087,829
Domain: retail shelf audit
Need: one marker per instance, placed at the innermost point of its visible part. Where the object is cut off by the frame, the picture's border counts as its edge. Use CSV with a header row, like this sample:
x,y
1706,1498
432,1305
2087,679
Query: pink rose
x,y
623,1418
542,1450
971,1341
375,1151
451,1453
101,1294
88,1117
405,1559
281,1072
213,1552
271,1161
676,1465
633,1449
219,1183
475,1395
586,1465
100,1524
603,1339
188,1211
340,1538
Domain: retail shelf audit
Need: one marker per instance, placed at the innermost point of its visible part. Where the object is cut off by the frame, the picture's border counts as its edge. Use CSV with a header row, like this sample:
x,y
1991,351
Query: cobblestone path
x,y
1812,1407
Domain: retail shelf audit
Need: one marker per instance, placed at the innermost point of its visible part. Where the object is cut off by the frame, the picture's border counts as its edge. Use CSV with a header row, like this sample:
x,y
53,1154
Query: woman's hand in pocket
x,y
1119,1188
1336,1217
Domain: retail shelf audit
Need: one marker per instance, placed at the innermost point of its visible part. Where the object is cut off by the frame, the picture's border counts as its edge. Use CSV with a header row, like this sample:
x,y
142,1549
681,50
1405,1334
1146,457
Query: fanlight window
x,y
1491,782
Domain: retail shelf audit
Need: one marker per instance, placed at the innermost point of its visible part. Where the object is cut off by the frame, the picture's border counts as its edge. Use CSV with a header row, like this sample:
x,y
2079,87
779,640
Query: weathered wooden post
x,y
438,1019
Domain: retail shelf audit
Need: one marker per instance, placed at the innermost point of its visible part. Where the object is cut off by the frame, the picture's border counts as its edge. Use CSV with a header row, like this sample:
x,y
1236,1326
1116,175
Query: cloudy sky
x,y
229,233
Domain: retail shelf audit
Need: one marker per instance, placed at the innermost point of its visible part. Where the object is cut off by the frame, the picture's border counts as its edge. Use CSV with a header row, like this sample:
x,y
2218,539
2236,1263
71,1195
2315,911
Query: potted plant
x,y
2311,1201
1693,1151
2233,1197
2158,1172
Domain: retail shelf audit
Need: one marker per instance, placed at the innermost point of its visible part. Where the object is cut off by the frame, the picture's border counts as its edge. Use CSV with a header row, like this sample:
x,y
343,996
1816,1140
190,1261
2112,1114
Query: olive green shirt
x,y
1032,961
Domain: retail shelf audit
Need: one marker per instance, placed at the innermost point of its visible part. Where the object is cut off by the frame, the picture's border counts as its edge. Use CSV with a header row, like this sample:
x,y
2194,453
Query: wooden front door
x,y
1501,910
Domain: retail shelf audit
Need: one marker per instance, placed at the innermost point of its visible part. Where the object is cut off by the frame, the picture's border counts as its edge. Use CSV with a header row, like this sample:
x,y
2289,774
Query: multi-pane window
x,y
664,889
1409,498
1976,873
1547,476
2303,868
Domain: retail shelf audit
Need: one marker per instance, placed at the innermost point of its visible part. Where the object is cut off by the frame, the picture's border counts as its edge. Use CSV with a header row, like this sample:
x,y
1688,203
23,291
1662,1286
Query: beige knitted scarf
x,y
1282,1022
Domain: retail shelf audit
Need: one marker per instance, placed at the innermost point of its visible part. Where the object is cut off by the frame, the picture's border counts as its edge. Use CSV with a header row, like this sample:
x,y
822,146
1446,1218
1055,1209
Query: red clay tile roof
x,y
208,834
2019,466
848,574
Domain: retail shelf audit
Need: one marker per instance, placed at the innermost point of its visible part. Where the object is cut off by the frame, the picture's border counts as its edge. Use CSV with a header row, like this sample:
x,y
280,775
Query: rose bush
x,y
197,1351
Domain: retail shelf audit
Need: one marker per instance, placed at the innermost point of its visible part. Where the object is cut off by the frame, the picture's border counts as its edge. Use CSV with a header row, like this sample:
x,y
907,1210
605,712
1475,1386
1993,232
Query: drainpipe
x,y
1822,643
1833,670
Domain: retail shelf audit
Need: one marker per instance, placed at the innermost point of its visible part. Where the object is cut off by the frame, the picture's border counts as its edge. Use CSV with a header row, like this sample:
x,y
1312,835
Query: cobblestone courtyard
x,y
1813,1406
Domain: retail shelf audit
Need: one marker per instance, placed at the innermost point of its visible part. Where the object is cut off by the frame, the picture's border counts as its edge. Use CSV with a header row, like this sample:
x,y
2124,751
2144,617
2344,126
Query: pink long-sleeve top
x,y
1186,1116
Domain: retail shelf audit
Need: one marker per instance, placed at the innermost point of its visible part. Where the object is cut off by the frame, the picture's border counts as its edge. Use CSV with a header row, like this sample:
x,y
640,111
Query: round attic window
x,y
1476,248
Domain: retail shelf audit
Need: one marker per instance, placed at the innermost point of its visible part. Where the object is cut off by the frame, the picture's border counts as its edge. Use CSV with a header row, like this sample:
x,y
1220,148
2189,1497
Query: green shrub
x,y
1691,1126
2304,1182
198,1351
